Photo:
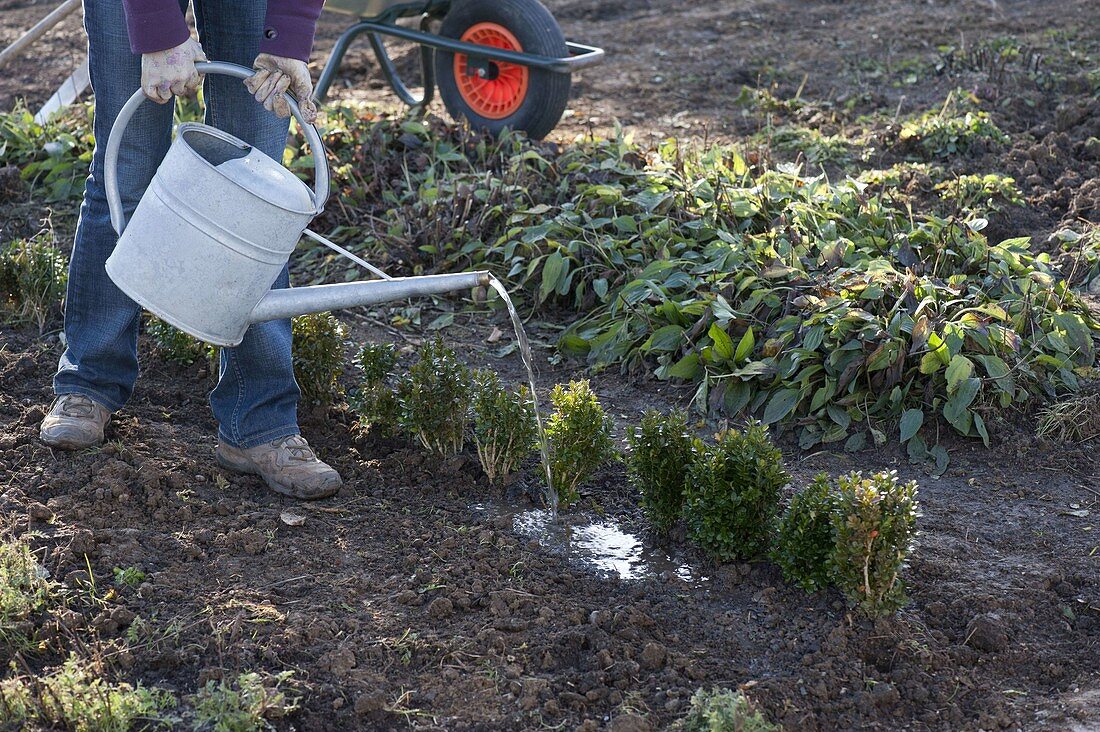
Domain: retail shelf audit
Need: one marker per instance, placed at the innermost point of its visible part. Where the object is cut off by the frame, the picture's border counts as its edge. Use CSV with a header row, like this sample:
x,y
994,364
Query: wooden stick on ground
x,y
60,13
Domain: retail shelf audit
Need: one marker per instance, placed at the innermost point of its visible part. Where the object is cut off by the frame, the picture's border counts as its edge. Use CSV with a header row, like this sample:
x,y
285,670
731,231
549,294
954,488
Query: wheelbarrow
x,y
498,63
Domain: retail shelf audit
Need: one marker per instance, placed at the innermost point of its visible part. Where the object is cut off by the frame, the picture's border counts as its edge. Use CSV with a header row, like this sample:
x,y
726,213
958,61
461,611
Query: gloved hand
x,y
274,75
164,73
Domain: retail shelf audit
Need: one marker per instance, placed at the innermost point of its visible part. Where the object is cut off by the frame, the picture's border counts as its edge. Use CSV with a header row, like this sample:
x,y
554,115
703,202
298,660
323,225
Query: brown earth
x,y
404,602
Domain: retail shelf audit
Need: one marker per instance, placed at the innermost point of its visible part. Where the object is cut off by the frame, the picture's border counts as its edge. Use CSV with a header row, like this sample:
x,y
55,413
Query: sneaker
x,y
288,466
74,423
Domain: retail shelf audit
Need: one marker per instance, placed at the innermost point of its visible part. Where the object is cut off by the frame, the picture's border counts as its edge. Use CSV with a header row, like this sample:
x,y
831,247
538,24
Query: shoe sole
x,y
61,443
283,490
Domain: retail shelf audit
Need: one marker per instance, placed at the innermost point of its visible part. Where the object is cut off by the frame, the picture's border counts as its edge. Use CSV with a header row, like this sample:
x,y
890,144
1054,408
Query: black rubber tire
x,y
538,33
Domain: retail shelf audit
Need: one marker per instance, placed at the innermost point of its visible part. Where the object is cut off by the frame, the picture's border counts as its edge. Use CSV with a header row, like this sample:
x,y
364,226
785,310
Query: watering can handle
x,y
114,142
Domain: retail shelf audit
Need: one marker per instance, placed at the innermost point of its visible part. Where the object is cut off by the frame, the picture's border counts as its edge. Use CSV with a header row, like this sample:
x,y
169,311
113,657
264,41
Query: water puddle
x,y
599,544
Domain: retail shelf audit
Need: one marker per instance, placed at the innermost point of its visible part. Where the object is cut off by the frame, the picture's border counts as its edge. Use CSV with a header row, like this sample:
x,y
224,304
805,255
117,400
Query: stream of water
x,y
529,363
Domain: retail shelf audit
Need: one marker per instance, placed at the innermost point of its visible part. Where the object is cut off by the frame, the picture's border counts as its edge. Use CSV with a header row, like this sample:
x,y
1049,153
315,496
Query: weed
x,y
33,275
578,438
722,710
128,577
815,147
804,540
318,356
175,346
57,169
660,450
24,590
1071,420
874,524
374,400
77,696
434,398
504,425
244,704
732,494
980,193
949,131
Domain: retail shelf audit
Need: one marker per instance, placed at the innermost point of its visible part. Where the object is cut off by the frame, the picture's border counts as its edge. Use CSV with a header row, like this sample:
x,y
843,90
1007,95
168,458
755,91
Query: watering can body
x,y
215,228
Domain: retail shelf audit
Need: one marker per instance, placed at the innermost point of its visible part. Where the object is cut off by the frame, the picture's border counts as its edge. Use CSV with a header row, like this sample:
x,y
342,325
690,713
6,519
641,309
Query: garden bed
x,y
421,596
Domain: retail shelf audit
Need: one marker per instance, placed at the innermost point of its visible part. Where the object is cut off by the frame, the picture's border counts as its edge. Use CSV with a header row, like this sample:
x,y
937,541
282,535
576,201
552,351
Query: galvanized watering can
x,y
216,226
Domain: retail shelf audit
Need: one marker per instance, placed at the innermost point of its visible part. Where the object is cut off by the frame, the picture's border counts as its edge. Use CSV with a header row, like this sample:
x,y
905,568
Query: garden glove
x,y
172,71
274,76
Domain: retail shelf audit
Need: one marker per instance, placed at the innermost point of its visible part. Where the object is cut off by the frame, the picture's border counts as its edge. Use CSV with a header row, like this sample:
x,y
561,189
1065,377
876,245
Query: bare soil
x,y
402,603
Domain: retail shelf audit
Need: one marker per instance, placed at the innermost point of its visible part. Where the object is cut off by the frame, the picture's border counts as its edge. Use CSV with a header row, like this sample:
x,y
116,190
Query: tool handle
x,y
114,143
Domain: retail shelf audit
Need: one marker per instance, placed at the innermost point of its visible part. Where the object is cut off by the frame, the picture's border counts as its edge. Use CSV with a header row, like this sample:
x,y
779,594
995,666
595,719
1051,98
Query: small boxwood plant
x,y
318,356
660,451
722,710
875,524
375,401
732,495
804,541
33,276
434,397
504,425
175,346
578,438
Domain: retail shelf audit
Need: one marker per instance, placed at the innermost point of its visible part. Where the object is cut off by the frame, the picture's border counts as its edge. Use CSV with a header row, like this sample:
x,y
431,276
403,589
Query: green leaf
x,y
959,370
780,405
723,344
939,454
664,339
553,269
687,368
979,425
745,346
911,421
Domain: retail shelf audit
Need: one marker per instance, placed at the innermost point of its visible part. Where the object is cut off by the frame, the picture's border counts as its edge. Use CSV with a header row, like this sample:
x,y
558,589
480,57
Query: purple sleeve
x,y
155,25
289,28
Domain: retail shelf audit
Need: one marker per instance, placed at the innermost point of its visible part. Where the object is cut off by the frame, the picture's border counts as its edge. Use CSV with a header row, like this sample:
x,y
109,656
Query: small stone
x,y
653,656
441,607
987,633
371,701
630,723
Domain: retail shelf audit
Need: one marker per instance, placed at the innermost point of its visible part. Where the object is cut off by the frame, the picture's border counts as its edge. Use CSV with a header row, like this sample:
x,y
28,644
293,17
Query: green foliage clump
x,y
175,346
23,587
78,697
375,400
33,275
578,438
661,448
804,541
434,398
505,429
128,577
875,525
53,157
950,130
318,356
243,705
980,193
817,148
732,494
723,710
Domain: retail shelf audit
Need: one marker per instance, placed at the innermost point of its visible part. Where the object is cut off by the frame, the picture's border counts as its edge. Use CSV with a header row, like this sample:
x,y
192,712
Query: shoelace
x,y
76,405
298,448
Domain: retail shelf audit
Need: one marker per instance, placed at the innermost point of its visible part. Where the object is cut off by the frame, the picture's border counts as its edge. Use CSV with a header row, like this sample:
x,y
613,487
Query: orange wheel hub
x,y
499,93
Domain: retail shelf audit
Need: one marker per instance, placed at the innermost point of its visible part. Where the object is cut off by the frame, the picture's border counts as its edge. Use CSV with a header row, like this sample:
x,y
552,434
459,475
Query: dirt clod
x,y
987,633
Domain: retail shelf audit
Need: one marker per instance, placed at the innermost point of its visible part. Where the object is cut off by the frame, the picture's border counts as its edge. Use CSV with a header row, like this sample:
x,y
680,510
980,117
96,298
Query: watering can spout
x,y
287,303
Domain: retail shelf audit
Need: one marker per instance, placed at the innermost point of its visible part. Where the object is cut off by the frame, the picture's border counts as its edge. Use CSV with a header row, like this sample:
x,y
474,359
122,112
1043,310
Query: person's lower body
x,y
256,399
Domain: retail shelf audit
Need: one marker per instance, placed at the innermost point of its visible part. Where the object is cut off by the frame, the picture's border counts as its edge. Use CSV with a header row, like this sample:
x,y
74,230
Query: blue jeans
x,y
256,399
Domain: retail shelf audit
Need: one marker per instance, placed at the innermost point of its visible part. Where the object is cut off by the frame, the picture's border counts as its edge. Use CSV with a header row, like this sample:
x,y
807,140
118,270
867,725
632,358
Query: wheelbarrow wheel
x,y
503,95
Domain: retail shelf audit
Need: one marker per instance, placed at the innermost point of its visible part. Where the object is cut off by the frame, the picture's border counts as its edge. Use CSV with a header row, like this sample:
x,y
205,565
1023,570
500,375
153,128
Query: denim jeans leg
x,y
256,399
101,323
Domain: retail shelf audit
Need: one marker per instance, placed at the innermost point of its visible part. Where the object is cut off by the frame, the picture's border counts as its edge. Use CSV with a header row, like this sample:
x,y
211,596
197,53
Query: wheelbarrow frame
x,y
580,56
